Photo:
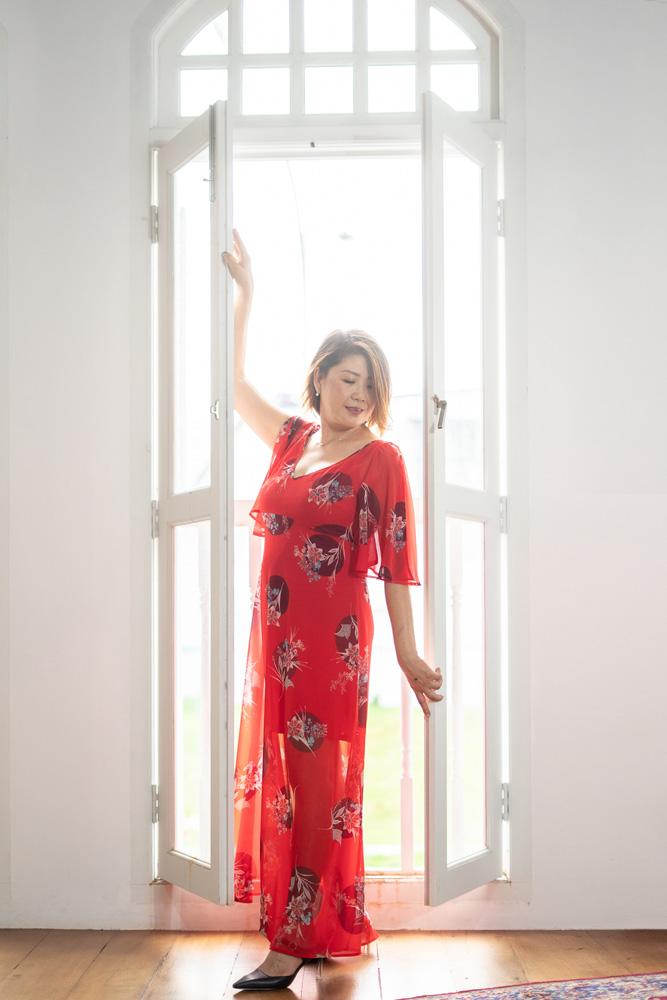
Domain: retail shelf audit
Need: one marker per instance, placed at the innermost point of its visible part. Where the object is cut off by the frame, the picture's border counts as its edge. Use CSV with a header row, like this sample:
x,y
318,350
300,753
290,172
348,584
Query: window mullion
x,y
360,57
297,73
235,50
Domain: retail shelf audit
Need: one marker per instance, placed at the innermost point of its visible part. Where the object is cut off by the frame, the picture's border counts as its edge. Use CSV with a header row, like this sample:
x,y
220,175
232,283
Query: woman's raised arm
x,y
263,418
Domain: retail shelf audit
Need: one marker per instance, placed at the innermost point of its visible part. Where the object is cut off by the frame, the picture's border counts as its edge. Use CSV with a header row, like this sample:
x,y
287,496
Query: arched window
x,y
315,59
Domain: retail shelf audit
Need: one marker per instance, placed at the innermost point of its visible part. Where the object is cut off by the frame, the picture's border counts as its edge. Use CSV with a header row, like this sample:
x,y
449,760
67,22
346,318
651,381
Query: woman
x,y
331,489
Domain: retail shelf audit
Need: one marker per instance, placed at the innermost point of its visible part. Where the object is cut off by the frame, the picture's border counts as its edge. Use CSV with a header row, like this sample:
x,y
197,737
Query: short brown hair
x,y
339,345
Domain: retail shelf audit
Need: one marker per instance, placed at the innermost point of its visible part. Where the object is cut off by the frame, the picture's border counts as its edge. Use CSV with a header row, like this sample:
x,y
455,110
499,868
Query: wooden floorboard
x,y
168,965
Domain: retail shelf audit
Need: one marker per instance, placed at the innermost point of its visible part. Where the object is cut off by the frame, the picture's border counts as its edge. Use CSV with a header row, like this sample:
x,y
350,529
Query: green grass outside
x,y
382,792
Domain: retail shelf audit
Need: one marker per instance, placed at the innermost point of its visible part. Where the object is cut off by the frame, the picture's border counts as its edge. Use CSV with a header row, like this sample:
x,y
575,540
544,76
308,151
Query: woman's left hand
x,y
423,680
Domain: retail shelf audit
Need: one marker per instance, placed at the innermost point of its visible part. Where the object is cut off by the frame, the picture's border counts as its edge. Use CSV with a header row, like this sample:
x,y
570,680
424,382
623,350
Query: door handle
x,y
440,407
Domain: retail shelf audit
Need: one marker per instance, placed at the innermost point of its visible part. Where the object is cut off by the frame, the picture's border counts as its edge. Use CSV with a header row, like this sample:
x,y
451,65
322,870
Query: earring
x,y
316,394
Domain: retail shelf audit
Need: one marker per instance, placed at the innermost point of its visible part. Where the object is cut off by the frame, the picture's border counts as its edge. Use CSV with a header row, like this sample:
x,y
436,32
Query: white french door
x,y
462,506
194,526
462,502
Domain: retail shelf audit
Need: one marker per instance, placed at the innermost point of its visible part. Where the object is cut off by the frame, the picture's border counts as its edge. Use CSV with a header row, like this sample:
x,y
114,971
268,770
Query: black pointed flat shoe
x,y
258,980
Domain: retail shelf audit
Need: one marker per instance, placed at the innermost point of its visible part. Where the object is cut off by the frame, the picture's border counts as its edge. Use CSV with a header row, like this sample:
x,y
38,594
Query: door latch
x,y
440,407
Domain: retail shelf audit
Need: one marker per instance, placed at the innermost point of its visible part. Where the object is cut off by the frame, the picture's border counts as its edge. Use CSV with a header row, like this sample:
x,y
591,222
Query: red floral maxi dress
x,y
298,781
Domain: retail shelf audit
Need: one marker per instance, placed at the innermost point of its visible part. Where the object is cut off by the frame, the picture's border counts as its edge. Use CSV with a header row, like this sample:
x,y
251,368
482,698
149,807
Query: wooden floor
x,y
146,965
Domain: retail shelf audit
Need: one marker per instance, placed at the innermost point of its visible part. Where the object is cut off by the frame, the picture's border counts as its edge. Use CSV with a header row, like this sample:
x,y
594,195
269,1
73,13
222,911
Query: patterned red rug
x,y
646,986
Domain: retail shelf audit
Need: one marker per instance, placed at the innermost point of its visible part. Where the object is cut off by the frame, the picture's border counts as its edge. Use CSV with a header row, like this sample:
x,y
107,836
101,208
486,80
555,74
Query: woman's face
x,y
346,392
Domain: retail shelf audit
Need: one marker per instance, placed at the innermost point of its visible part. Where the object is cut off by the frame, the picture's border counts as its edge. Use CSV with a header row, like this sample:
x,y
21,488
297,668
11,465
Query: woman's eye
x,y
351,382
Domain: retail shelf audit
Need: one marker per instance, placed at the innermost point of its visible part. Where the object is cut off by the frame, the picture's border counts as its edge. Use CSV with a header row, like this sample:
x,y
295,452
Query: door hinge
x,y
501,216
155,806
154,224
503,515
155,522
505,800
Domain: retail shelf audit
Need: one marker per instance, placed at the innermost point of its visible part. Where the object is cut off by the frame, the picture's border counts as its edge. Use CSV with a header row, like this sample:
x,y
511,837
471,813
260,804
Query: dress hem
x,y
329,954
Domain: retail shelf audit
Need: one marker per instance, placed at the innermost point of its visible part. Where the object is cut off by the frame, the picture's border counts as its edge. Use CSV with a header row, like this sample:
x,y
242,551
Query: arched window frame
x,y
179,29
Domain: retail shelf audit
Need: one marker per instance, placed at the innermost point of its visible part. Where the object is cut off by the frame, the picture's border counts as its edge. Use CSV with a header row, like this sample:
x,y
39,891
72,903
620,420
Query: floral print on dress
x,y
252,681
265,901
256,601
286,660
305,731
347,650
362,691
283,476
248,781
243,877
397,526
277,599
350,906
322,555
268,757
330,488
304,901
345,819
289,430
280,808
367,514
276,524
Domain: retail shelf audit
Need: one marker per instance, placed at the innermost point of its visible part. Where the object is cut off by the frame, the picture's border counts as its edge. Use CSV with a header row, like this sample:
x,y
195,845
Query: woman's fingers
x,y
422,701
243,253
427,689
424,682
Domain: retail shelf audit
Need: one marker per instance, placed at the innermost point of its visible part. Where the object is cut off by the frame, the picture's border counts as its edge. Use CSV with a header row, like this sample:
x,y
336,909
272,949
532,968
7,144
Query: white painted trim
x,y
5,450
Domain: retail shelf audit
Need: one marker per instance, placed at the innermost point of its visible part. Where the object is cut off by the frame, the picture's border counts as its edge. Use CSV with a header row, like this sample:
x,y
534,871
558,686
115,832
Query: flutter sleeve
x,y
289,428
384,537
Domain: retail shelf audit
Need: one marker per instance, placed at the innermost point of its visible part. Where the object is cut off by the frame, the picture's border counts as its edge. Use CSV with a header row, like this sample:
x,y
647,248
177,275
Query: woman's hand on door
x,y
239,266
423,680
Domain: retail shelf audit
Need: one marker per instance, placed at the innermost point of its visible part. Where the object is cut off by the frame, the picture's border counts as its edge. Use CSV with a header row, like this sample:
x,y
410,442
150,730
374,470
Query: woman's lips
x,y
354,409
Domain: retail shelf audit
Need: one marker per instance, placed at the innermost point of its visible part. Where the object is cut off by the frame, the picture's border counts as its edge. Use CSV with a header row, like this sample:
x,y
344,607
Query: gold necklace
x,y
323,444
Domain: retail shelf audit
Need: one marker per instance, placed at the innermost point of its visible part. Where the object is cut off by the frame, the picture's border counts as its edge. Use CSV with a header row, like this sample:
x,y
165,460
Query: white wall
x,y
596,262
74,436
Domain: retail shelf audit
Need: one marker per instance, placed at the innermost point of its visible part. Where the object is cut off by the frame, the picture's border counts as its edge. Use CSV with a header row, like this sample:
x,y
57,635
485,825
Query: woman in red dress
x,y
335,507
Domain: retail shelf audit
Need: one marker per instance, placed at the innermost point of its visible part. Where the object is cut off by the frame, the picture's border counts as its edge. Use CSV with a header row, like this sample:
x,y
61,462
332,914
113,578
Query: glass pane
x,y
201,87
391,25
382,783
391,88
417,771
458,84
266,26
328,89
192,690
327,25
462,321
192,326
465,689
266,91
445,34
211,40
